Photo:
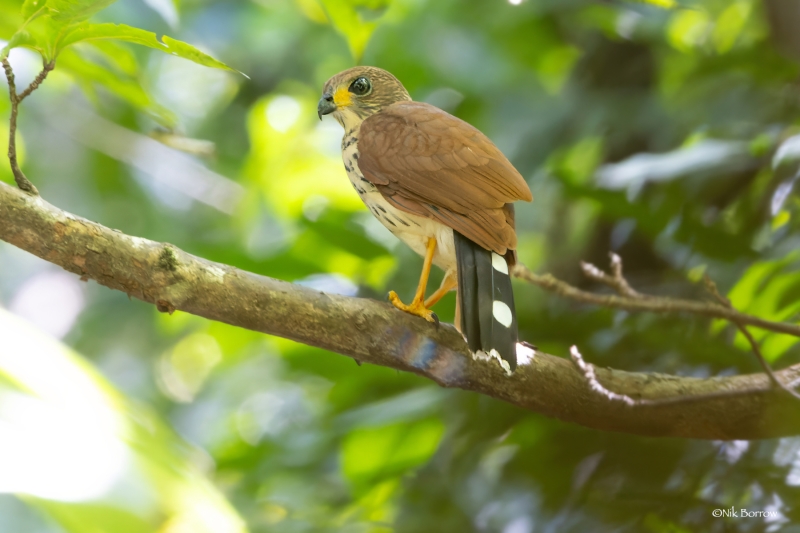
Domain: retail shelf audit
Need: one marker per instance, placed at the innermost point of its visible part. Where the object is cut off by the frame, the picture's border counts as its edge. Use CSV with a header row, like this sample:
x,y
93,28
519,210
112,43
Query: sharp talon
x,y
529,345
416,308
435,319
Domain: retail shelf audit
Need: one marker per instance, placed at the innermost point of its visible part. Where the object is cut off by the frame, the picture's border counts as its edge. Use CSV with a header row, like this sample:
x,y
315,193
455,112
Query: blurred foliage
x,y
664,131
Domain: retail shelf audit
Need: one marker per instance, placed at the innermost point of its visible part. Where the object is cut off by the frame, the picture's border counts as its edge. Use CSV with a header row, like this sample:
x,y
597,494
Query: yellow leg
x,y
417,306
448,284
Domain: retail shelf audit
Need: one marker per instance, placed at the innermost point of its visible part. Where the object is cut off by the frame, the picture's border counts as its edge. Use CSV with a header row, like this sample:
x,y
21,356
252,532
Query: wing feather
x,y
430,163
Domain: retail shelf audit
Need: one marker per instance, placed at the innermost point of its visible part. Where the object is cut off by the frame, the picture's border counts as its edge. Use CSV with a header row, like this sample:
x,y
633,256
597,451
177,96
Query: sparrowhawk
x,y
443,188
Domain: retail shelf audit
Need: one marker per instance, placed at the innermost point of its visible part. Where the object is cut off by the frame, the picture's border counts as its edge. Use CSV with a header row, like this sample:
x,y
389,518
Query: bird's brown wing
x,y
430,163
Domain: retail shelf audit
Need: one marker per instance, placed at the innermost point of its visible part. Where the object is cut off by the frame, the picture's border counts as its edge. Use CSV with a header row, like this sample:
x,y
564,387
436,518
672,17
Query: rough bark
x,y
739,407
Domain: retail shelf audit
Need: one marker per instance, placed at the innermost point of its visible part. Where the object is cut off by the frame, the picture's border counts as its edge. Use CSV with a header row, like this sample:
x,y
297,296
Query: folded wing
x,y
430,163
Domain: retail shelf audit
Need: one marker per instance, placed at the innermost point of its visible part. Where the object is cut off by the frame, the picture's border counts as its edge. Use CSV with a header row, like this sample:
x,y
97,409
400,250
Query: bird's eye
x,y
360,86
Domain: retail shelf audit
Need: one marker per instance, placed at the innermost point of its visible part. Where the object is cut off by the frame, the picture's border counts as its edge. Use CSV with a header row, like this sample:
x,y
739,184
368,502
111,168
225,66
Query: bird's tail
x,y
486,301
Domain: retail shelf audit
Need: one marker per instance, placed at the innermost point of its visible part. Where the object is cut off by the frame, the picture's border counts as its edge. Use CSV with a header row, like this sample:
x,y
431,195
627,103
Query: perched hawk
x,y
444,189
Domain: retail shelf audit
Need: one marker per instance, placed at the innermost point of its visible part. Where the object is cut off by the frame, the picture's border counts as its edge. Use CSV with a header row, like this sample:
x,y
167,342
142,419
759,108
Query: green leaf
x,y
187,51
75,10
109,31
356,21
369,454
46,22
117,55
88,73
21,38
666,4
31,7
754,281
313,10
39,33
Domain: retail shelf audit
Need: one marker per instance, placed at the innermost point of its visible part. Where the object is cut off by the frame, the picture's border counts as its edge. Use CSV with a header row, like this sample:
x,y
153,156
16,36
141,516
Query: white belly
x,y
413,230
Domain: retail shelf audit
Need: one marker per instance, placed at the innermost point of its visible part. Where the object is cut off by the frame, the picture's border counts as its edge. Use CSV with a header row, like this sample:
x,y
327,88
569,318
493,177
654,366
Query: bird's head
x,y
356,93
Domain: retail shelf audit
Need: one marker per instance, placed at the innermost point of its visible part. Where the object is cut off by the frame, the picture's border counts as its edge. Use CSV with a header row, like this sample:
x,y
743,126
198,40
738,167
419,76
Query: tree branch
x,y
616,280
16,99
636,301
711,287
738,407
630,300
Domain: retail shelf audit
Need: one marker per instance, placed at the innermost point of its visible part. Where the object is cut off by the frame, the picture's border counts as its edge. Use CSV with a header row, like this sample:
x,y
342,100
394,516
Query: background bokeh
x,y
663,133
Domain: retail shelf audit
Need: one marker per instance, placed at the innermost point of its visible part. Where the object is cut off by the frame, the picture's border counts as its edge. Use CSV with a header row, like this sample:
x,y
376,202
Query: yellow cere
x,y
342,97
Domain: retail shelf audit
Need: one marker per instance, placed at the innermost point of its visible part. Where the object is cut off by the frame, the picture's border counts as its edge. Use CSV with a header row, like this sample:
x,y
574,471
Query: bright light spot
x,y
55,451
445,98
190,90
26,64
165,193
283,112
521,524
328,138
183,370
787,451
376,231
789,150
515,2
268,414
314,206
793,477
51,300
627,22
165,8
330,283
524,355
63,440
732,450
688,29
775,517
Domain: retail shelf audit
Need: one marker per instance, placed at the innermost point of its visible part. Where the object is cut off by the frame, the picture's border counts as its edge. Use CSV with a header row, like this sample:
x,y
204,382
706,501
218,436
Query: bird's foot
x,y
417,308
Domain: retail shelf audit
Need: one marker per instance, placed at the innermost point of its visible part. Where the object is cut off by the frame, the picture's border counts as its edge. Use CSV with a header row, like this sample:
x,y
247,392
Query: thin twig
x,y
36,81
22,181
649,303
711,287
631,300
616,280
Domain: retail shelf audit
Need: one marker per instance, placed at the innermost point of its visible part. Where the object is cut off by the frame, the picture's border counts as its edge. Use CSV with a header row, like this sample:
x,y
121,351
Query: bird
x,y
444,189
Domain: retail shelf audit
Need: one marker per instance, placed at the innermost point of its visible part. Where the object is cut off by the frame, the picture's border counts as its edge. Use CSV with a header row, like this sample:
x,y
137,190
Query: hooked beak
x,y
326,105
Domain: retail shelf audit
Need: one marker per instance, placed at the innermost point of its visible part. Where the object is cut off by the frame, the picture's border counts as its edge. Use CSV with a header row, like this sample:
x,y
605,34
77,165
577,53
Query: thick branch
x,y
739,407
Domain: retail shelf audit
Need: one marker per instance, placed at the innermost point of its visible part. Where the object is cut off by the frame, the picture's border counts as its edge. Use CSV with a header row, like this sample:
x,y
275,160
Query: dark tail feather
x,y
488,319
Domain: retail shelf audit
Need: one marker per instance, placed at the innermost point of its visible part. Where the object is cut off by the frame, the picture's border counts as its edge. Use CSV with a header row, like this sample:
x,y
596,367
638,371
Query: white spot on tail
x,y
499,263
502,313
